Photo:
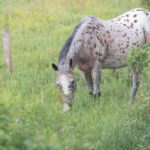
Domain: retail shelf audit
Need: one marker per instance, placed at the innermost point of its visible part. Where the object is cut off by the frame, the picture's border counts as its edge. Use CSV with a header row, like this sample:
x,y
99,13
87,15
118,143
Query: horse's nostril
x,y
66,96
72,82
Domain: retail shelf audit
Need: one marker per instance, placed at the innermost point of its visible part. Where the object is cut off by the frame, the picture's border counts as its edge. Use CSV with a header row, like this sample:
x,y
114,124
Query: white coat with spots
x,y
97,44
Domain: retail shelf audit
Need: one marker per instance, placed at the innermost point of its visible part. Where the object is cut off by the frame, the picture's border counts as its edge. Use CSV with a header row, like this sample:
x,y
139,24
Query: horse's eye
x,y
72,82
58,85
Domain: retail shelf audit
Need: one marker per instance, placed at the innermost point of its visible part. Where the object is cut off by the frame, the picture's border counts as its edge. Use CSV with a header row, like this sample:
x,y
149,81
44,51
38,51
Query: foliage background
x,y
30,105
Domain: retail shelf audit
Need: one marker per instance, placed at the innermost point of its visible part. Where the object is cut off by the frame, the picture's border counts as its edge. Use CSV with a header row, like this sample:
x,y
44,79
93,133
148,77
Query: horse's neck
x,y
72,56
70,62
74,50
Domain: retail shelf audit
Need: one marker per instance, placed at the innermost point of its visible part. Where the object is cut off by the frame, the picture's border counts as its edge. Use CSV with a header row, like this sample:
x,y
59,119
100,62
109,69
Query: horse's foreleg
x,y
88,77
96,79
135,84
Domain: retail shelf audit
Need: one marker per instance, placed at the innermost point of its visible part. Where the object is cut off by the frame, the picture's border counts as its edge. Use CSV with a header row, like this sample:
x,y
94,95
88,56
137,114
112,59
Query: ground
x,y
30,104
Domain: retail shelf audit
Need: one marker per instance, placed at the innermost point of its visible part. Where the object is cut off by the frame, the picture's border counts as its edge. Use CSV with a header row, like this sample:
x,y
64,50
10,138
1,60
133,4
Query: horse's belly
x,y
112,64
114,60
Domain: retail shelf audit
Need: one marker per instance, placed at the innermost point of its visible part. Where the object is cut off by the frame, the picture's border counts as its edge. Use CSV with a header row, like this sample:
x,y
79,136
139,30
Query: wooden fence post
x,y
7,50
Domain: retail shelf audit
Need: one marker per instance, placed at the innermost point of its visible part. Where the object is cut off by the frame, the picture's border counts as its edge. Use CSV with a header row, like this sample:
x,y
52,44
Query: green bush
x,y
138,124
5,121
138,59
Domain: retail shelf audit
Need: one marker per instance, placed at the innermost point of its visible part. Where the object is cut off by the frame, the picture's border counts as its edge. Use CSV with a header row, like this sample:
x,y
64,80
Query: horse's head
x,y
66,83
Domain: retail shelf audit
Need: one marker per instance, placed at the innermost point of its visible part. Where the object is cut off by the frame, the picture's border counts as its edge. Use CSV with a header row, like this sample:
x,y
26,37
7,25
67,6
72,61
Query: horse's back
x,y
128,31
138,20
109,41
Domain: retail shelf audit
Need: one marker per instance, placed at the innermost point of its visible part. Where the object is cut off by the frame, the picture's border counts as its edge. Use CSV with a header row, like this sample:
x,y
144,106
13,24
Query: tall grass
x,y
30,104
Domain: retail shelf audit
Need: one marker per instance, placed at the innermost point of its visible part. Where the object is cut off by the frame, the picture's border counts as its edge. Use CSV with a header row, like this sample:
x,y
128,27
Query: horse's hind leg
x,y
96,79
135,84
88,77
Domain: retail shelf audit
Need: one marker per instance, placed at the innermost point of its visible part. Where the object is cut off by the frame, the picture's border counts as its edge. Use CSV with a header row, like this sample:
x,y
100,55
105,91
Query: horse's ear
x,y
55,67
70,63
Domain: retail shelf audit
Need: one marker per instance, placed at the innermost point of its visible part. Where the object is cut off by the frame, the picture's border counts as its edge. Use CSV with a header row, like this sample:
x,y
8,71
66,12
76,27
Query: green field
x,y
31,115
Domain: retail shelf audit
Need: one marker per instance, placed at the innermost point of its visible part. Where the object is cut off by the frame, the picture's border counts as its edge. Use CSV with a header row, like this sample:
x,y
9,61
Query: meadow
x,y
31,115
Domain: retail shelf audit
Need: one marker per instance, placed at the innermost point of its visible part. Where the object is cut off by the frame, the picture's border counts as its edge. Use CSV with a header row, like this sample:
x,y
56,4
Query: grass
x,y
30,104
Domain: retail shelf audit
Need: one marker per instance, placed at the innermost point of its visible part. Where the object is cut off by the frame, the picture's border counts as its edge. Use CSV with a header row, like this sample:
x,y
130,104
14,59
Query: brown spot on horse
x,y
135,21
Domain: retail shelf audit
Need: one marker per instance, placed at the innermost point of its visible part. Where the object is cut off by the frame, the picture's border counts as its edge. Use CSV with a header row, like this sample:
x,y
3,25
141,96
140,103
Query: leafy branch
x,y
139,58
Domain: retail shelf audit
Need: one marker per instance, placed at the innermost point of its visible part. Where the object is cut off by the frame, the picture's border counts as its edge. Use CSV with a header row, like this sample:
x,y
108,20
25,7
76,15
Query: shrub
x,y
139,59
4,125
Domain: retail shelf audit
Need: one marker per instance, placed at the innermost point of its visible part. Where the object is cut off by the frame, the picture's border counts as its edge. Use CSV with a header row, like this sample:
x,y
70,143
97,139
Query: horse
x,y
97,44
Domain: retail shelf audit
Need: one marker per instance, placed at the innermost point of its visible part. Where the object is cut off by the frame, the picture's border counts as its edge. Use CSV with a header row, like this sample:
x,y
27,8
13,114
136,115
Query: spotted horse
x,y
97,44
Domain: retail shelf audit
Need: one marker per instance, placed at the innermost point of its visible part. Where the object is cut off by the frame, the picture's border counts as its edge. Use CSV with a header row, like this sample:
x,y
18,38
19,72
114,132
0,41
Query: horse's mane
x,y
67,44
